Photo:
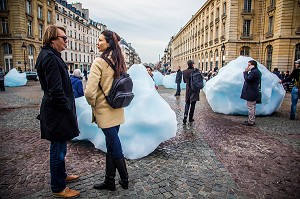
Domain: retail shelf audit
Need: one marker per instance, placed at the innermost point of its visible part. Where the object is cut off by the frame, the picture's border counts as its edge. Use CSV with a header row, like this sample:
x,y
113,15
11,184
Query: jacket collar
x,y
48,47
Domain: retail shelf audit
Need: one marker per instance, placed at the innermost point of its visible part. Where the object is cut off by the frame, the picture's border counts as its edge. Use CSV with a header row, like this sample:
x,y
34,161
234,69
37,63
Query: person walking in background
x,y
77,83
58,119
295,75
103,71
276,72
85,74
178,81
191,97
250,91
2,86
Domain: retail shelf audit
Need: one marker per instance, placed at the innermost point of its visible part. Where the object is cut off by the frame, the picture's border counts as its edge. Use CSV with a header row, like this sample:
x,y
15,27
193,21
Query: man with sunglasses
x,y
58,120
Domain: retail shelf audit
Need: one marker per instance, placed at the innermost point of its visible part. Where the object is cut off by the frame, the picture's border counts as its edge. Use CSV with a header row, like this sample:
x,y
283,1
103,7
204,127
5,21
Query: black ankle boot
x,y
120,164
110,173
184,120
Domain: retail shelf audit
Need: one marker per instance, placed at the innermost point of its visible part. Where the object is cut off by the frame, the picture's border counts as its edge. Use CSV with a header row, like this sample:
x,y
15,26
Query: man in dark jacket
x,y
191,97
178,81
295,75
57,112
250,90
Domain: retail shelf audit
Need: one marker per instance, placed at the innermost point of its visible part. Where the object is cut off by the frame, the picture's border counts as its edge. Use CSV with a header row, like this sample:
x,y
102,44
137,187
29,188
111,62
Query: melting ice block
x,y
158,77
14,78
149,120
224,90
169,82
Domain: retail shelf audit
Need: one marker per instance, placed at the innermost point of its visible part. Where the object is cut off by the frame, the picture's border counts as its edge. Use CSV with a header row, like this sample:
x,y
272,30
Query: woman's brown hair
x,y
117,57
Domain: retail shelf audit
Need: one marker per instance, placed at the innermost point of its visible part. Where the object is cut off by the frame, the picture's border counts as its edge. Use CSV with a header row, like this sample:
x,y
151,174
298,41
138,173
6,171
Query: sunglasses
x,y
63,37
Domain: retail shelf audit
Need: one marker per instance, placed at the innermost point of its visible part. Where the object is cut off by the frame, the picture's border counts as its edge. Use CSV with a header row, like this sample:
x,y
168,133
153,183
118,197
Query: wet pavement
x,y
215,157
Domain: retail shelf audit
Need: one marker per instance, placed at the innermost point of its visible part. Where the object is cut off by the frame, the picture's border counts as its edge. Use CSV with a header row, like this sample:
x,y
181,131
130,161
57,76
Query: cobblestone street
x,y
215,157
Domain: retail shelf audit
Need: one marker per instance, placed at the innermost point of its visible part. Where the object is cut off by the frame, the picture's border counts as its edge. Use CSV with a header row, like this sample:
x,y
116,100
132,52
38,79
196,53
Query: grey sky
x,y
147,24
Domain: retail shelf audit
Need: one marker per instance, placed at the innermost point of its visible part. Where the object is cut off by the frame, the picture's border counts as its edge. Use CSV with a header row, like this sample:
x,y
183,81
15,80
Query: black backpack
x,y
120,94
196,80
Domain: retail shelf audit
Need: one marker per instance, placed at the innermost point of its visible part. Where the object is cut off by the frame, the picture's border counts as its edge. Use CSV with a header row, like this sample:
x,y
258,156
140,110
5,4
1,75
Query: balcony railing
x,y
247,12
211,42
246,36
216,40
222,38
271,8
224,15
217,20
269,34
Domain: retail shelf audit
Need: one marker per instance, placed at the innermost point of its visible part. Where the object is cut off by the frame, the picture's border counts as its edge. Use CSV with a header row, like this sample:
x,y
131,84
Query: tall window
x,y
28,7
269,56
30,56
40,12
48,2
297,52
217,58
49,16
206,63
211,55
4,25
245,51
272,3
29,30
270,29
224,8
40,31
66,56
8,61
3,5
247,5
246,28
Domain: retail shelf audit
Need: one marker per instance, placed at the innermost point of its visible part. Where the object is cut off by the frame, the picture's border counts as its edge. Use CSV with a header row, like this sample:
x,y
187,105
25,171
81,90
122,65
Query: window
x,y
29,30
40,12
247,5
272,3
270,29
28,7
3,5
269,56
66,56
224,8
57,17
297,52
48,2
71,56
245,51
246,28
30,50
40,31
49,16
211,55
4,25
7,49
217,58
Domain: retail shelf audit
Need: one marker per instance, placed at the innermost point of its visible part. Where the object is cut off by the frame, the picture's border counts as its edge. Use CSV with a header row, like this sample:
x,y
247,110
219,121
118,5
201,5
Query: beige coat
x,y
103,114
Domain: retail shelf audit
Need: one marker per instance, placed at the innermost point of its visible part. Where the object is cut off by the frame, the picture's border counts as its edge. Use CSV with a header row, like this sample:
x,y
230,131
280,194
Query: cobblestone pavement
x,y
215,157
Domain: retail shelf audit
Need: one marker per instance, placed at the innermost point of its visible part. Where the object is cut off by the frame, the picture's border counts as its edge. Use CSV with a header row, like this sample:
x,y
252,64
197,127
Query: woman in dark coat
x,y
250,90
57,112
191,97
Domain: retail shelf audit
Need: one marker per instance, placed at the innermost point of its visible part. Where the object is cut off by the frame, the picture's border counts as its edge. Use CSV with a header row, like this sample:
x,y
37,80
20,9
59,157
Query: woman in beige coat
x,y
104,69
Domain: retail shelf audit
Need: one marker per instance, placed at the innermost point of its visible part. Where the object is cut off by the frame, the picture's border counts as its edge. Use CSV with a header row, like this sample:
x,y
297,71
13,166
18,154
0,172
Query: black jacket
x,y
294,75
250,90
178,76
190,95
57,112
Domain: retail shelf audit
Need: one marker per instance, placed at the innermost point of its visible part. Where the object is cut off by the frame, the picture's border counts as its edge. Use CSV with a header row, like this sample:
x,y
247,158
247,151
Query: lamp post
x,y
24,49
222,50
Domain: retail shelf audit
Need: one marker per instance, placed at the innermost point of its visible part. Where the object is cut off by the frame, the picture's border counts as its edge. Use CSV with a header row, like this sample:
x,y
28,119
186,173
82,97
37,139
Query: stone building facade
x,y
222,30
22,26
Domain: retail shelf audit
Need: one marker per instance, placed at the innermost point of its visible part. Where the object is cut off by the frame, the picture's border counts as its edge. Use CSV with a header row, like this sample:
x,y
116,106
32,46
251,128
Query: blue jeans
x,y
113,143
294,95
58,174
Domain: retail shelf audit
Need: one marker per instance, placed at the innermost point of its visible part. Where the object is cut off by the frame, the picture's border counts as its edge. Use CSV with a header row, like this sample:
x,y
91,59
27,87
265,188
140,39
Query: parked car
x,y
31,75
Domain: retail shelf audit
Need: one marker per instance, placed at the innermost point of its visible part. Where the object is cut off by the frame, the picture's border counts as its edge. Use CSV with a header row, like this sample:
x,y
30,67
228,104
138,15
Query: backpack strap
x,y
112,66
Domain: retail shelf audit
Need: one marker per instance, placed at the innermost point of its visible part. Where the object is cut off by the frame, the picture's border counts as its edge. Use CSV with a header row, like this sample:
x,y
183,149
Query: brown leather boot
x,y
67,193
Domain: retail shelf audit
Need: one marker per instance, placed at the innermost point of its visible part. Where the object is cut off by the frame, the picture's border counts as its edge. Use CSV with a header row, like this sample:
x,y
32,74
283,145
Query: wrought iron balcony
x,y
269,34
271,8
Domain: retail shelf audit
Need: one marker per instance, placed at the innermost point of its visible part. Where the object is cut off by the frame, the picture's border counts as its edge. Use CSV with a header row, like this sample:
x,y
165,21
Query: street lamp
x,y
24,47
222,50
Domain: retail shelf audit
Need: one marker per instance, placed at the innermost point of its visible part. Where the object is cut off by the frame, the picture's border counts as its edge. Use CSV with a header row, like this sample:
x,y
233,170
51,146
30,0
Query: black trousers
x,y
2,87
189,106
178,89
